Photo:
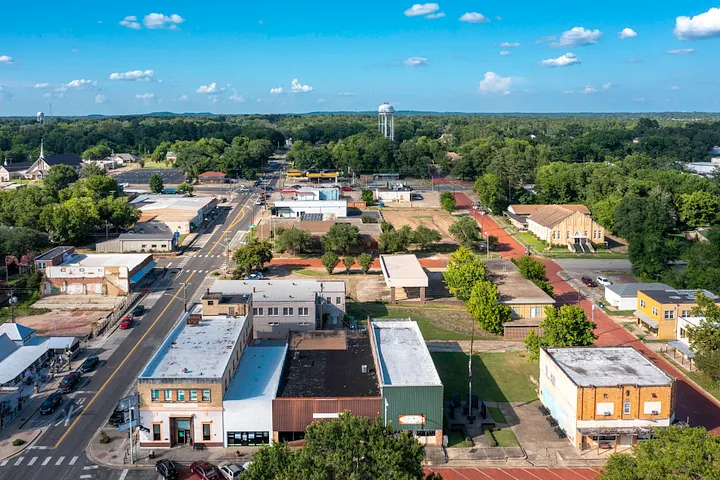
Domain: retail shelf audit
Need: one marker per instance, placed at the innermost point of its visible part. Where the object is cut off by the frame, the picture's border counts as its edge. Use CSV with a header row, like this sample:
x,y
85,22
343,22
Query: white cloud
x,y
589,89
80,84
433,16
568,92
416,62
235,97
5,59
158,20
210,89
509,44
561,61
299,88
136,75
420,9
578,36
681,51
346,94
276,90
474,17
494,83
545,39
145,96
627,33
100,98
607,86
674,87
705,25
504,53
42,85
130,22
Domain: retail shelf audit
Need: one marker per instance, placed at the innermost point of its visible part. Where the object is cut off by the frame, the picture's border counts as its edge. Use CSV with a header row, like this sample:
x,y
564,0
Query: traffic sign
x,y
130,407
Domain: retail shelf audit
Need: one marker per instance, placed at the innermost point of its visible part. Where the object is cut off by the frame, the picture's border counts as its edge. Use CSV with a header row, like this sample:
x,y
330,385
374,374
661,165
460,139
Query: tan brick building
x,y
556,225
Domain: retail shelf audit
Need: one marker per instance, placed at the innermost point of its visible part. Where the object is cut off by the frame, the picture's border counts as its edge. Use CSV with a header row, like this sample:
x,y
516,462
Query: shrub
x,y
18,441
104,437
368,219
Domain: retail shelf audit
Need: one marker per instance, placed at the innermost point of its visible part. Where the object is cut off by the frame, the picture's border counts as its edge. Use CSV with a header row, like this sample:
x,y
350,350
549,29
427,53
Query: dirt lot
x,y
434,218
62,323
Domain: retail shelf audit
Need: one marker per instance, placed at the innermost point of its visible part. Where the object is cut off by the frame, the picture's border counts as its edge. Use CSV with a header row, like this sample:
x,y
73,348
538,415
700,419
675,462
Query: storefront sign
x,y
411,419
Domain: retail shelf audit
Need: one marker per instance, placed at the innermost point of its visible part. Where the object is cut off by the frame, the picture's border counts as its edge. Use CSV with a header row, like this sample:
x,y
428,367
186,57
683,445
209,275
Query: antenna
x,y
50,109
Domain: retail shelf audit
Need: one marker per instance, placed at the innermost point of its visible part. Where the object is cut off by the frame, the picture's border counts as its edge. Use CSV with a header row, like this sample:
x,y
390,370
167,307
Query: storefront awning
x,y
645,318
595,431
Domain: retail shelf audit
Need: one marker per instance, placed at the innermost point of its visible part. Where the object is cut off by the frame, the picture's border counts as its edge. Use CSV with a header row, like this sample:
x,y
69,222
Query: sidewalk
x,y
28,437
492,346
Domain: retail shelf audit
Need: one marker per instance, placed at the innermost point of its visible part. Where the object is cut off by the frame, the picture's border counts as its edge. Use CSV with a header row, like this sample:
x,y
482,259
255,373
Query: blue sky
x,y
285,56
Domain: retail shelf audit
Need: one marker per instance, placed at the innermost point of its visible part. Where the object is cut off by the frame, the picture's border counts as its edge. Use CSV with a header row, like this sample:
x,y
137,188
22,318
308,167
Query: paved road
x,y
60,452
514,473
594,264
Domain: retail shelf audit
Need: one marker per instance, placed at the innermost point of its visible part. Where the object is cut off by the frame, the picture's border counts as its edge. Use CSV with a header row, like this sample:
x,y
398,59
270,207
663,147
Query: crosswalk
x,y
50,460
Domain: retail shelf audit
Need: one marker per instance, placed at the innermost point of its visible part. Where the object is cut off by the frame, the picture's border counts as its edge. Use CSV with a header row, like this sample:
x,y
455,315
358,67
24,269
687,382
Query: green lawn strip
x,y
505,437
531,240
309,272
615,313
150,164
497,377
456,439
497,415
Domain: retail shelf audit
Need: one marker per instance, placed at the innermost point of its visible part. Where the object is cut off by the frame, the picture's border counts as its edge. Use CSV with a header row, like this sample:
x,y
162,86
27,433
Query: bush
x,y
365,261
18,441
368,219
104,437
490,438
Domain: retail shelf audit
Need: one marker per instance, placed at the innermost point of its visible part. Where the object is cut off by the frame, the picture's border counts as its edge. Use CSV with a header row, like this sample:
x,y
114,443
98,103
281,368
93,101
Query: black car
x,y
139,310
89,364
51,403
68,382
166,469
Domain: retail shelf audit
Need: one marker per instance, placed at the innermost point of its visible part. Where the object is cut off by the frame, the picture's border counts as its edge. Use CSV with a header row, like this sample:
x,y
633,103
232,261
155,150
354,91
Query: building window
x,y
168,395
586,234
568,234
642,303
206,432
303,311
154,246
181,395
273,311
338,300
686,313
669,314
329,300
193,395
273,324
304,324
206,395
683,333
626,408
552,379
258,311
605,395
654,311
211,302
143,246
287,311
155,395
156,432
535,312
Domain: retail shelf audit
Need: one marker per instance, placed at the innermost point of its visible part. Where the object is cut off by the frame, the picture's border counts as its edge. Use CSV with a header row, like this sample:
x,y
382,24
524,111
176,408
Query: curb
x,y
27,445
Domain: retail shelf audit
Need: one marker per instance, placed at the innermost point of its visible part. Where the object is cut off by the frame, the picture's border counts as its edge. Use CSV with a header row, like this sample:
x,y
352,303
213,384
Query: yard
x,y
151,164
497,377
530,239
435,219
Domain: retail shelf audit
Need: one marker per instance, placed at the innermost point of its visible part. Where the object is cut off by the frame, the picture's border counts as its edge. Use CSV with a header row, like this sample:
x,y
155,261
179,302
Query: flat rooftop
x,y
129,260
677,296
402,353
403,271
513,287
279,290
331,372
607,366
258,375
51,253
151,203
631,289
196,351
146,236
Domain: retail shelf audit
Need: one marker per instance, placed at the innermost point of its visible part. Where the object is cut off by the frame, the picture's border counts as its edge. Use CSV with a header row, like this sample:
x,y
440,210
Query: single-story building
x,y
681,343
52,257
298,208
392,195
212,177
556,225
12,171
173,213
139,242
623,296
403,271
518,214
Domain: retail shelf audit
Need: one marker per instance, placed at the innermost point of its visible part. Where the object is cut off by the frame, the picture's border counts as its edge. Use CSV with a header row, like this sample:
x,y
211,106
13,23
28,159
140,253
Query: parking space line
x,y
4,462
46,461
123,474
73,460
19,461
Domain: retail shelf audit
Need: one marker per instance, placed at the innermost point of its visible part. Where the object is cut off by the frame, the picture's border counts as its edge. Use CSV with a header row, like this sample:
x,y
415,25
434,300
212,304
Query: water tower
x,y
40,117
386,120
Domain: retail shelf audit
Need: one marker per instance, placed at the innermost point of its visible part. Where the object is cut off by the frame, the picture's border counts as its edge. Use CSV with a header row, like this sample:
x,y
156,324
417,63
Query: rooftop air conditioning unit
x,y
607,414
655,412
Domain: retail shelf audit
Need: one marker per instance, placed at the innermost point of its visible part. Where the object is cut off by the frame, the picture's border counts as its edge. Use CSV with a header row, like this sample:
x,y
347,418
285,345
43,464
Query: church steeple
x,y
42,149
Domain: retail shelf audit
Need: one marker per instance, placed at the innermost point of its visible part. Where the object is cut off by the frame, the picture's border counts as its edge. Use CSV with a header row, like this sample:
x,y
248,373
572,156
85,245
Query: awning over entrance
x,y
645,318
682,348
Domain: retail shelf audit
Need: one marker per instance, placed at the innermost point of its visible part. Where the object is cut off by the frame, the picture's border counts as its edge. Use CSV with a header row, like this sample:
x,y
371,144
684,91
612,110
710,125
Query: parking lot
x,y
141,176
617,271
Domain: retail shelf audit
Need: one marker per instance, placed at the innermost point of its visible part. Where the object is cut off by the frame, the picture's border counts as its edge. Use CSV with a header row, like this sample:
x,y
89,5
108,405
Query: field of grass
x,y
309,272
497,415
149,164
497,377
530,239
505,438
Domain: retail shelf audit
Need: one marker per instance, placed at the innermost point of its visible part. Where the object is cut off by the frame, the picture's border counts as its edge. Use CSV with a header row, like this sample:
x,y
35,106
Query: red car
x,y
126,323
204,470
346,189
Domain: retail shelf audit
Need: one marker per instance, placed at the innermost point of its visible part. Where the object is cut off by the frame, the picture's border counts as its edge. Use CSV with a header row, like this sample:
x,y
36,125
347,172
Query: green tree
x,y
567,326
365,261
705,338
485,307
98,186
675,452
348,262
424,236
71,221
367,196
535,271
341,238
17,241
185,187
294,240
330,260
156,183
117,212
447,201
699,208
97,152
252,256
393,241
91,170
489,189
59,177
464,270
465,230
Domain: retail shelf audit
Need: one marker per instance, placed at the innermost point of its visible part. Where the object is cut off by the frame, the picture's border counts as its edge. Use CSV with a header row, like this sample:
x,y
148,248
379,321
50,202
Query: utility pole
x,y
130,430
185,297
472,340
13,300
227,251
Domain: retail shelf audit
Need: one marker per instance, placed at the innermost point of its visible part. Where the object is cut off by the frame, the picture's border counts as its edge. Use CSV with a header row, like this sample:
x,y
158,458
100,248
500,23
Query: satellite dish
x,y
40,117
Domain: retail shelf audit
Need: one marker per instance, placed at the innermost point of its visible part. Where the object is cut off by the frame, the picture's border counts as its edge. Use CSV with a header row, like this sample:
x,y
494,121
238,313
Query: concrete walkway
x,y
28,437
490,346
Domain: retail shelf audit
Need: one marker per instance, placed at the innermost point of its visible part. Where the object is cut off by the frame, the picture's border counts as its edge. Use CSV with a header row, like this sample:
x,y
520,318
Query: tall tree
x,y
567,326
424,236
705,338
365,261
466,231
330,260
699,208
156,183
464,270
341,238
253,255
490,192
294,240
535,271
59,177
485,307
447,201
91,170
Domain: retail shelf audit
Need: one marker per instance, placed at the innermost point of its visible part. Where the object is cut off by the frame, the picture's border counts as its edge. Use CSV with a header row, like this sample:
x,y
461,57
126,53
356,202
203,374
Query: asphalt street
x,y
60,452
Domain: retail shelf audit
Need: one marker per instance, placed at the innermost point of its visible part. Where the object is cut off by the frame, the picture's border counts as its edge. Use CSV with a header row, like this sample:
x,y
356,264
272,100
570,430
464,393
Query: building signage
x,y
326,415
411,419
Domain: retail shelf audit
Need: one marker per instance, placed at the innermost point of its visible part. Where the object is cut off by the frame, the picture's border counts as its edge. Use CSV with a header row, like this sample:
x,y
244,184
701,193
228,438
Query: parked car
x,y
588,281
246,465
372,185
347,188
603,281
230,471
138,310
255,276
89,364
166,469
259,201
204,470
68,382
126,323
51,403
416,196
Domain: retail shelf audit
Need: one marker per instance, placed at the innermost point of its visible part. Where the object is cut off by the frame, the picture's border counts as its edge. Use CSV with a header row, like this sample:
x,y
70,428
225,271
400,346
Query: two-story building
x,y
183,385
53,257
658,310
605,395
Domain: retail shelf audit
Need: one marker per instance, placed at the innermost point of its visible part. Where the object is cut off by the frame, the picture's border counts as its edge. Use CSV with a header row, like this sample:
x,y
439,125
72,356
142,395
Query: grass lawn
x,y
497,415
505,438
531,240
309,272
149,164
497,377
456,439
615,313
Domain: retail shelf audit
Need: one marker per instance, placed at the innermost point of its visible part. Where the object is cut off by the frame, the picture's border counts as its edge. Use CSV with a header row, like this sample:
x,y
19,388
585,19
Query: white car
x,y
603,281
230,471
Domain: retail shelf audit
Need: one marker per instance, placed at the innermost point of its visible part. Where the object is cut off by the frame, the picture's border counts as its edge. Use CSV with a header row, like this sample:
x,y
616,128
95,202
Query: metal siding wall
x,y
295,414
425,400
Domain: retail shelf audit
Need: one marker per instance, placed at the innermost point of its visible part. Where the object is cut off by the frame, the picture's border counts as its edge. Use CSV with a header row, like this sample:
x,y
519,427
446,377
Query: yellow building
x,y
658,310
558,225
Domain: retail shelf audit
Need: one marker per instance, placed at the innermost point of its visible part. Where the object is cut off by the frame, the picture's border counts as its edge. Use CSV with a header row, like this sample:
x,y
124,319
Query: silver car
x,y
230,471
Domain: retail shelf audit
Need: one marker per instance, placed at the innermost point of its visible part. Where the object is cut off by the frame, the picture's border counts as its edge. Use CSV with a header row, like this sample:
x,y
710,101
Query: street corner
x,y
16,443
109,448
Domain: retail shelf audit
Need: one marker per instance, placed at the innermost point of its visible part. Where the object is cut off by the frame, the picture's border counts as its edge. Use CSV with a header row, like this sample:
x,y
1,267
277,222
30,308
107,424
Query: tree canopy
x,y
341,238
252,256
464,270
567,326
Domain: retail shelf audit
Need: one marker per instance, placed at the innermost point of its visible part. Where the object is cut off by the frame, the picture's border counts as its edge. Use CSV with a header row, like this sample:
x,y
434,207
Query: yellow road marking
x,y
107,382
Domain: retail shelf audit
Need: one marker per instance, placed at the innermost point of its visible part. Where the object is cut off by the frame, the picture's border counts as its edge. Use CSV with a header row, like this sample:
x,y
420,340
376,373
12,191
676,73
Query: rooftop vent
x,y
296,355
364,368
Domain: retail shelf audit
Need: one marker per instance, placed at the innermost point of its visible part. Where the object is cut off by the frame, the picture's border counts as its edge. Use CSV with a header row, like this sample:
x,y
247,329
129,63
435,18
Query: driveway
x,y
594,264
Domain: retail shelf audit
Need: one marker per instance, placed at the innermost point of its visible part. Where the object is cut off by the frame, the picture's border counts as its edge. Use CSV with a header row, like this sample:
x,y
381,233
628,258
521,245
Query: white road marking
x,y
90,467
168,265
70,412
32,461
73,460
4,462
19,461
123,474
57,424
46,461
85,476
40,447
59,461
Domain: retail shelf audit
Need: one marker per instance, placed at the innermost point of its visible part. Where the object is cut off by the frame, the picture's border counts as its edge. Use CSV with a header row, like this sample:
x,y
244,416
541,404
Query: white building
x,y
623,296
297,208
174,213
247,406
392,195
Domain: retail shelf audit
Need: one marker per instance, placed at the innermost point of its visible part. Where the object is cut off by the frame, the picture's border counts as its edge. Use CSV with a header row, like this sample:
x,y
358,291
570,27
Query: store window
x,y
206,432
156,432
181,395
193,395
247,438
155,395
206,395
